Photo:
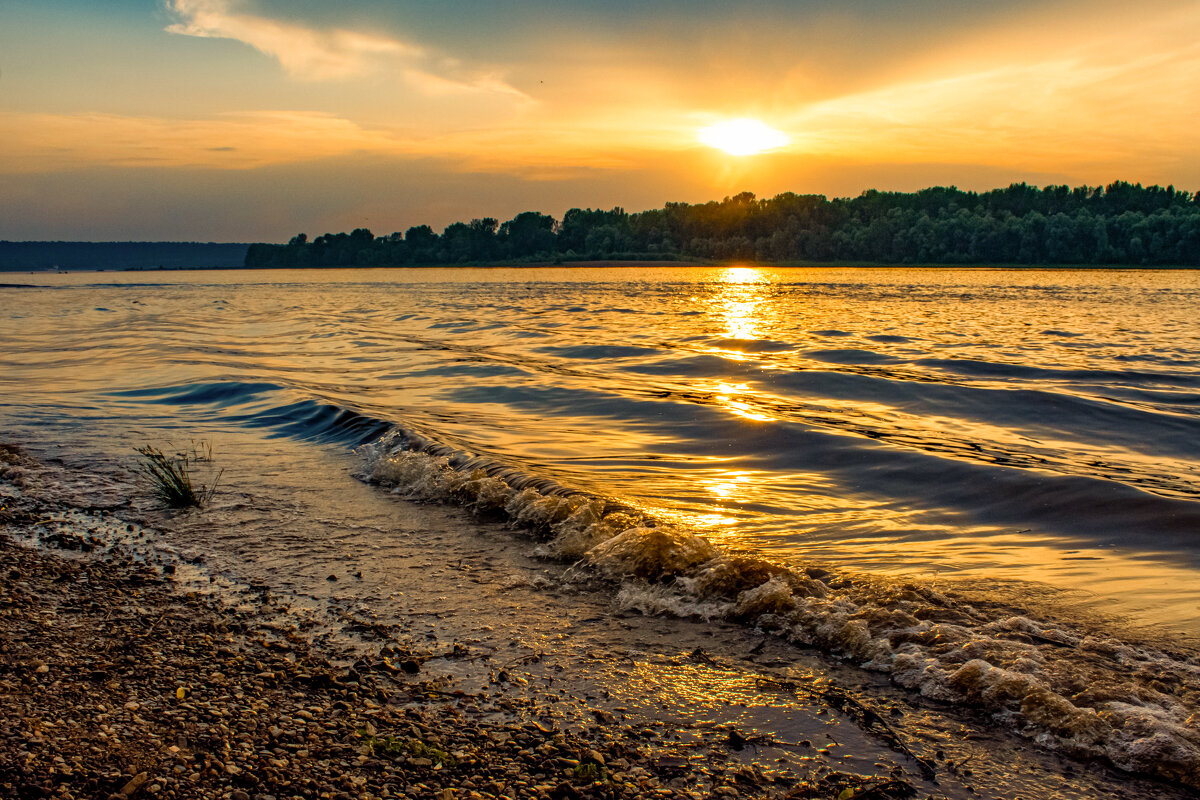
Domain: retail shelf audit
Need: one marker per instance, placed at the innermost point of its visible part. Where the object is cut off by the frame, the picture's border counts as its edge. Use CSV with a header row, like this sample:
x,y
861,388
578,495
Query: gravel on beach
x,y
115,683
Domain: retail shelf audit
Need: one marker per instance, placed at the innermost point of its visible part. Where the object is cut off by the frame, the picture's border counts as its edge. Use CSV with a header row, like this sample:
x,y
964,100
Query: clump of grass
x,y
590,772
414,748
170,475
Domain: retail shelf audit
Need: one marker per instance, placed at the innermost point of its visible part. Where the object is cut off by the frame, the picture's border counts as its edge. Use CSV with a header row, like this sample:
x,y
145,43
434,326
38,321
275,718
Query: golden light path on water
x,y
741,310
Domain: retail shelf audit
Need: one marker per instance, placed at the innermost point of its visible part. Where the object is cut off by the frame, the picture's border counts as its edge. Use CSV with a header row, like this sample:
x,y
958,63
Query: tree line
x,y
120,255
1121,223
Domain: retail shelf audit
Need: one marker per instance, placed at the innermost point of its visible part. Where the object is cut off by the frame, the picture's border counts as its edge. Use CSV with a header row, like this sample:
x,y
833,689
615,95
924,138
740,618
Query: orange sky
x,y
252,120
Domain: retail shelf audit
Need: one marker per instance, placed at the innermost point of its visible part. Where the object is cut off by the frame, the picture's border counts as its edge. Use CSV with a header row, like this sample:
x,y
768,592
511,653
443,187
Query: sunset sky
x,y
252,120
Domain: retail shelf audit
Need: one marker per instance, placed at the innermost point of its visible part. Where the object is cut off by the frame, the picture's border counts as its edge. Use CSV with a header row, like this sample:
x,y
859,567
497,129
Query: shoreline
x,y
116,683
101,613
636,264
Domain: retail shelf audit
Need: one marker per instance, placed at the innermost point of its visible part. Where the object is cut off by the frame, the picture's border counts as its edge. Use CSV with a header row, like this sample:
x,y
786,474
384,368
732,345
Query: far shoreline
x,y
632,264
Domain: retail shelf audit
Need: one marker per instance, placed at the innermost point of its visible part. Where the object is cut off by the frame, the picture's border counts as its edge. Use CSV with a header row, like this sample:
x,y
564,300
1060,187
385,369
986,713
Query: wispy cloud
x,y
312,53
1106,104
40,142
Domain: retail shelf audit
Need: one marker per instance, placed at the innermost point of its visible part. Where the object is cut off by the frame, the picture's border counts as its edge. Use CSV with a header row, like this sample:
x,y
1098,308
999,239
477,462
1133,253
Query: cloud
x,y
1104,102
57,142
316,54
41,142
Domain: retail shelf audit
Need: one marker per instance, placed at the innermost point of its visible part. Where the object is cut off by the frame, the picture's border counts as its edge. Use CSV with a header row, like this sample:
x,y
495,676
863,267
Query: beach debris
x,y
845,786
866,718
134,786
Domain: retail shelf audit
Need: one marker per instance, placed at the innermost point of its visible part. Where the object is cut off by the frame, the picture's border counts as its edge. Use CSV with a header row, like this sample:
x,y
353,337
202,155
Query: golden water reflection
x,y
739,302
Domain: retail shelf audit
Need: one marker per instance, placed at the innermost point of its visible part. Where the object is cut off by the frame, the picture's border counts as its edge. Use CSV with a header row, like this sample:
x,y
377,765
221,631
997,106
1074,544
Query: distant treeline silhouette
x,y
1121,223
119,255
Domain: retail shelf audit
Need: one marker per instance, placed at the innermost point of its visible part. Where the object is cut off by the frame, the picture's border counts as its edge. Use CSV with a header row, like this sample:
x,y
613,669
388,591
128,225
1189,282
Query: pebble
x,y
259,721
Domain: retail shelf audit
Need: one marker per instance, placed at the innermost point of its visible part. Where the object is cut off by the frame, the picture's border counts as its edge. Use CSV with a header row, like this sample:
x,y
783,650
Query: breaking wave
x,y
1073,691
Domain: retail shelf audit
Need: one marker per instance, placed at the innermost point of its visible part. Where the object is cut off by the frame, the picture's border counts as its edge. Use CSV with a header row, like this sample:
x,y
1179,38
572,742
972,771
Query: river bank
x,y
434,639
117,683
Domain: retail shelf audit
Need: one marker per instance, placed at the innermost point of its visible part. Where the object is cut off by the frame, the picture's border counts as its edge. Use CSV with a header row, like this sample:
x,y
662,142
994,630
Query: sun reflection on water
x,y
739,302
738,399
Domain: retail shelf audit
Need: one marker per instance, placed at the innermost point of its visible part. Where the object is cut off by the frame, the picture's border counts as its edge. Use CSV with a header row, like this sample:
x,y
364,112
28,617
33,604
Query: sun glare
x,y
742,137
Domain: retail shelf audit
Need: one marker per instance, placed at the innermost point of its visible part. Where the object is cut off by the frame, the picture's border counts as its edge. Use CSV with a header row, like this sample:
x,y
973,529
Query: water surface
x,y
983,484
988,425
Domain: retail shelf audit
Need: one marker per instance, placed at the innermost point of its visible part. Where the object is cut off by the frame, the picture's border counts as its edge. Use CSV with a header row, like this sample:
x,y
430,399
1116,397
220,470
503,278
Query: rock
x,y
135,784
564,791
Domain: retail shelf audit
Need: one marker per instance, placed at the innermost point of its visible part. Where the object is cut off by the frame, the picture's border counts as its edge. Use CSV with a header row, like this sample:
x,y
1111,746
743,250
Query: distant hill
x,y
21,256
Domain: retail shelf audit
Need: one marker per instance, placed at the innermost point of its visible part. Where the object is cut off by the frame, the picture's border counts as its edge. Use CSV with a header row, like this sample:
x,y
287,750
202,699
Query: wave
x,y
1071,690
255,405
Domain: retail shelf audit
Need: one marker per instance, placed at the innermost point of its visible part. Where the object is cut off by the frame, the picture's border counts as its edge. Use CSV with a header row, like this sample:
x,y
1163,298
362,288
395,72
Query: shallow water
x,y
1022,442
1010,425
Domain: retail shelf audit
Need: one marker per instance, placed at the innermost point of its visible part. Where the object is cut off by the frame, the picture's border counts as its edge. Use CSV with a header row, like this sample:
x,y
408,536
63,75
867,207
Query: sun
x,y
743,137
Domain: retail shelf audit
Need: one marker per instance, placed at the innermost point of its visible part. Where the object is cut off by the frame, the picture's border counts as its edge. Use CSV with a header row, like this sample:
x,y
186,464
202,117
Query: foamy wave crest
x,y
1080,694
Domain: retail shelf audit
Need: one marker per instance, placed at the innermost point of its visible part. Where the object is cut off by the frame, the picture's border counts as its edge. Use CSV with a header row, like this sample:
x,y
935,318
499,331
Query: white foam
x,y
1068,690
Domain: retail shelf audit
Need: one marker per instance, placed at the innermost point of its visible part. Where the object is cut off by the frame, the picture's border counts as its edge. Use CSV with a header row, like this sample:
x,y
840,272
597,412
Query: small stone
x,y
42,669
135,783
332,578
239,795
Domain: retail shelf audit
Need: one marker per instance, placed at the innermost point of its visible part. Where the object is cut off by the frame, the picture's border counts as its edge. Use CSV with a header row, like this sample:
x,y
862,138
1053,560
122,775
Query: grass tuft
x,y
411,748
170,475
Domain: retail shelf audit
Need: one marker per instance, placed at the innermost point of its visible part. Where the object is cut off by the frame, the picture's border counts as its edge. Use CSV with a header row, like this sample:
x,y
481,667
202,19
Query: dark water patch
x,y
1028,412
598,352
831,332
310,420
460,369
455,324
888,338
250,405
690,366
1152,358
220,393
850,356
997,369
